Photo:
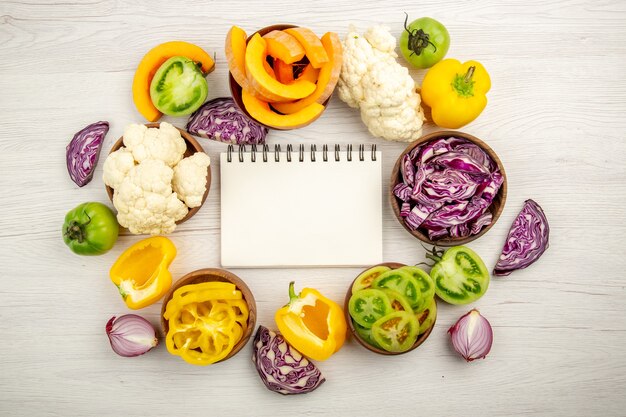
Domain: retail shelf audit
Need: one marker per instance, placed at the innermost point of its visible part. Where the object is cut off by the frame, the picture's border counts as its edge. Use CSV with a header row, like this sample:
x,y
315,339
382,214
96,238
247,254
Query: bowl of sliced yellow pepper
x,y
208,316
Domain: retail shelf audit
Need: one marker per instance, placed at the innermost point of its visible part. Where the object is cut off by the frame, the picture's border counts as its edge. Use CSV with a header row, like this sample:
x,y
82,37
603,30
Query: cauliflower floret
x,y
190,178
164,143
116,167
145,201
372,80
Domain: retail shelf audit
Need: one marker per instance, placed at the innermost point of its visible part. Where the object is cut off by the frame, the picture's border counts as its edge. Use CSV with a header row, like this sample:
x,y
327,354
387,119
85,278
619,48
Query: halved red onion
x,y
131,335
527,240
472,336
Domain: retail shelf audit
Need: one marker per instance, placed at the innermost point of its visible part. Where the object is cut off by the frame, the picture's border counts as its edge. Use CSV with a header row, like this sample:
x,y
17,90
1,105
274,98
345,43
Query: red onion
x,y
83,152
472,336
131,335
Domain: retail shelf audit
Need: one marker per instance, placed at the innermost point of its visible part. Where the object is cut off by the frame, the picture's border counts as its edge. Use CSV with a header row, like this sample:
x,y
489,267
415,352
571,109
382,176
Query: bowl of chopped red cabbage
x,y
448,188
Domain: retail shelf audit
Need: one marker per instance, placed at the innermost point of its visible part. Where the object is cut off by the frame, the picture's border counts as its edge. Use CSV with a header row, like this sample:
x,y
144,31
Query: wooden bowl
x,y
192,147
420,339
220,275
235,89
495,208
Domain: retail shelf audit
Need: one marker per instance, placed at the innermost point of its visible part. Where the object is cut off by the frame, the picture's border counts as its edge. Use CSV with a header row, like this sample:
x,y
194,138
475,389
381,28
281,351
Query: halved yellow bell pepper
x,y
311,323
141,272
455,92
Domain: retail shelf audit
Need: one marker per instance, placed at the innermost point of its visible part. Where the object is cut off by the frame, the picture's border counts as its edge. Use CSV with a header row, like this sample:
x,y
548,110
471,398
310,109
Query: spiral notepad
x,y
301,207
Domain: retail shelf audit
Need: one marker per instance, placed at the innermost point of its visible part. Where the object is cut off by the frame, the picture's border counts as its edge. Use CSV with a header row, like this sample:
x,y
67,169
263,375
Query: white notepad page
x,y
301,213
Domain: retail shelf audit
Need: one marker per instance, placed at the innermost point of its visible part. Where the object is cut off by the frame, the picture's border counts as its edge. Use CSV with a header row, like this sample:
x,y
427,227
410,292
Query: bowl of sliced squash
x,y
283,76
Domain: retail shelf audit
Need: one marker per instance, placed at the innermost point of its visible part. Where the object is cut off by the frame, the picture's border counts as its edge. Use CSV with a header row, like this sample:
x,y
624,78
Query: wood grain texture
x,y
555,117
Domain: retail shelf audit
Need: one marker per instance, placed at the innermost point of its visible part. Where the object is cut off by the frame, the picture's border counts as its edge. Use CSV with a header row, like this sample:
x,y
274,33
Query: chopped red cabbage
x,y
220,119
452,184
281,367
482,221
527,240
402,191
83,152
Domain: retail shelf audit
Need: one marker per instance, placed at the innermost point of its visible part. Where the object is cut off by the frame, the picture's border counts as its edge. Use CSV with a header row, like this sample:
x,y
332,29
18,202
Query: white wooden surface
x,y
556,117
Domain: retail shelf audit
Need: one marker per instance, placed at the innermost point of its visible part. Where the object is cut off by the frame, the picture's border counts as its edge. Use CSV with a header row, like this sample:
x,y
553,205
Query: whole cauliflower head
x,y
145,201
372,80
164,143
117,165
189,180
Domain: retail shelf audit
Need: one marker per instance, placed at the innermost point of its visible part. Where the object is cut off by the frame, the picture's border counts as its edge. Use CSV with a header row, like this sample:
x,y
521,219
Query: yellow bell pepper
x,y
455,92
141,273
205,321
311,323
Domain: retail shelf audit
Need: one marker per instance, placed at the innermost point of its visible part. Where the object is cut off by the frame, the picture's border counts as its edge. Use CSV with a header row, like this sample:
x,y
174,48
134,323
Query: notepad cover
x,y
300,213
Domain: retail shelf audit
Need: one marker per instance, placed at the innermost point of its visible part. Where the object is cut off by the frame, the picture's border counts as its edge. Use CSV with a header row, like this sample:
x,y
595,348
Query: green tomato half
x,y
424,42
178,88
90,229
460,276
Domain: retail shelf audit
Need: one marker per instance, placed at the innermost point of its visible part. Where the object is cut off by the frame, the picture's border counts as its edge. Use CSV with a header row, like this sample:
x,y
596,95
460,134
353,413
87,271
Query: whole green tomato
x,y
90,229
424,42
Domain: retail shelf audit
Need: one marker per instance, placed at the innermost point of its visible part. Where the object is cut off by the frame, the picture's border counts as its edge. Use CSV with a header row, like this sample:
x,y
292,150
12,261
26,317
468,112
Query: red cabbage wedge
x,y
281,367
527,240
83,152
220,119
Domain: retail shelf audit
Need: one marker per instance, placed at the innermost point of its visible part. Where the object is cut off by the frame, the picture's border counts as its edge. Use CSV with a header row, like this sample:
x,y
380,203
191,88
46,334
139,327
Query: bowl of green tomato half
x,y
390,308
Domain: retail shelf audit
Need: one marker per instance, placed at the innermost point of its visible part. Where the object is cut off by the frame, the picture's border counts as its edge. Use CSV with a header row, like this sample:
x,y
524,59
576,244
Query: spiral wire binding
x,y
277,151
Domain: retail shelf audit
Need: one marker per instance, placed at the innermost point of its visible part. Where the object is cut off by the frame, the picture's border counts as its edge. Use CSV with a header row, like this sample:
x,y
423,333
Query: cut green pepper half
x,y
178,88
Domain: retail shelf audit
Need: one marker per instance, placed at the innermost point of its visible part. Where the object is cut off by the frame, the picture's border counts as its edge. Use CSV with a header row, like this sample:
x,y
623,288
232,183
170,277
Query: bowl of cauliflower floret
x,y
157,176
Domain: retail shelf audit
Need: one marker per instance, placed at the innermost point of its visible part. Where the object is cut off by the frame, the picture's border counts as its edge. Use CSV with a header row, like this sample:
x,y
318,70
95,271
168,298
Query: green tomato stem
x,y
75,231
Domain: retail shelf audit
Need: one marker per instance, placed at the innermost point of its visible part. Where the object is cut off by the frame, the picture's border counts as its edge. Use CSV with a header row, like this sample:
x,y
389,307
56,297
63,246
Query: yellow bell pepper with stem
x,y
455,92
141,272
311,323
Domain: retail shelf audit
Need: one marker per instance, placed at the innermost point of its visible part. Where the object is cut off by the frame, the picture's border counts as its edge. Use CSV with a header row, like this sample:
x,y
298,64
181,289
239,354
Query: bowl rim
x,y
421,338
496,207
195,146
235,88
221,275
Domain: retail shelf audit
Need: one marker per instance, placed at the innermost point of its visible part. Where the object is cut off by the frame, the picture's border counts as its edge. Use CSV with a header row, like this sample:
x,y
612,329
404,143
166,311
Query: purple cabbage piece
x,y
477,154
527,240
449,186
220,119
405,209
408,170
459,230
488,189
402,191
418,214
453,184
482,221
281,367
460,162
436,234
83,152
